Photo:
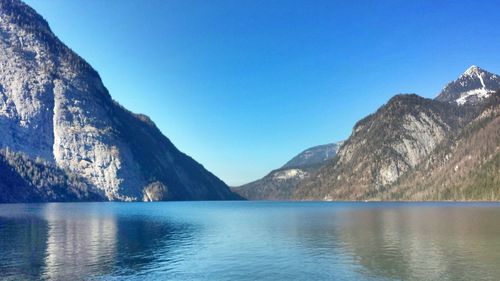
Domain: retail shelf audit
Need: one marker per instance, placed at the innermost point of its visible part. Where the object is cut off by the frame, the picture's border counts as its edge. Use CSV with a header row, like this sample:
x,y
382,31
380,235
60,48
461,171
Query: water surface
x,y
250,241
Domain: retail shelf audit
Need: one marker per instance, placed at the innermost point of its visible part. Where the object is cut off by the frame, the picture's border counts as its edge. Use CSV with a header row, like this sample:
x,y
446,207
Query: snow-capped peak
x,y
473,86
473,70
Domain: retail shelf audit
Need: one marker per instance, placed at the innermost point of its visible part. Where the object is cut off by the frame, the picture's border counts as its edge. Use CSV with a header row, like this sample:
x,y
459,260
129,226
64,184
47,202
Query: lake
x,y
250,241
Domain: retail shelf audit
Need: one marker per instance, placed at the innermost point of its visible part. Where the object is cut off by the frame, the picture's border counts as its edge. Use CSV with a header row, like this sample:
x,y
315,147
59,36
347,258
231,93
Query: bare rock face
x,y
465,166
384,146
155,191
382,157
26,73
53,105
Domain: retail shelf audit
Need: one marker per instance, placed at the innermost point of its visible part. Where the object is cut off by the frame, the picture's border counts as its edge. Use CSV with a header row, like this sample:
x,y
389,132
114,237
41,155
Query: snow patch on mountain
x,y
291,173
478,94
473,86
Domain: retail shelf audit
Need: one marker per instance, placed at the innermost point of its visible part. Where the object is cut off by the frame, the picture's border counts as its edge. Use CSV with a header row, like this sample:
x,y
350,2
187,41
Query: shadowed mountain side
x,y
26,180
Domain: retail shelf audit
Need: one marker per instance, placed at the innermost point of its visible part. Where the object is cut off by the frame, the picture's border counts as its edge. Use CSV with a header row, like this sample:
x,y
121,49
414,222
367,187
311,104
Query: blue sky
x,y
242,86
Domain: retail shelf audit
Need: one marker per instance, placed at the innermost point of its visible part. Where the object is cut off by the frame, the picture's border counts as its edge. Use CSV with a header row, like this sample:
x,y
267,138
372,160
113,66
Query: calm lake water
x,y
250,241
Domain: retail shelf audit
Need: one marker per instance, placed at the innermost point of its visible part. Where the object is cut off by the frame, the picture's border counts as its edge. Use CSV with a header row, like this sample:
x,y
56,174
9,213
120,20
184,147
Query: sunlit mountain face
x,y
56,114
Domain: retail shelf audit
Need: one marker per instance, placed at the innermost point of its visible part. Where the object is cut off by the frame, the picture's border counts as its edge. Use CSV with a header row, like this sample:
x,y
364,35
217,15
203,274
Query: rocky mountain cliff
x,y
392,152
281,183
465,166
54,106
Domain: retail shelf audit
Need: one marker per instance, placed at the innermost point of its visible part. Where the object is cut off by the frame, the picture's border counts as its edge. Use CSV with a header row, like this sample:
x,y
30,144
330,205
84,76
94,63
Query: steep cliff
x,y
53,105
466,166
384,146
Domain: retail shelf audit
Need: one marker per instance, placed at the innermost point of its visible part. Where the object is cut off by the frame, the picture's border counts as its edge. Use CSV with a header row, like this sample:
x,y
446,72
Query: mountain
x,y
415,148
314,155
472,86
281,183
384,146
54,107
464,167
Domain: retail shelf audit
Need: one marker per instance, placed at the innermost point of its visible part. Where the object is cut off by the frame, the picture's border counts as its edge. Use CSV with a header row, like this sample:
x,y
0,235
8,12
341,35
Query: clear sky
x,y
242,86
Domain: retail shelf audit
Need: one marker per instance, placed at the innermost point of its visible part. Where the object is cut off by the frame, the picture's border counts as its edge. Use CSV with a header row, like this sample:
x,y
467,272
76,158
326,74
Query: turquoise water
x,y
250,241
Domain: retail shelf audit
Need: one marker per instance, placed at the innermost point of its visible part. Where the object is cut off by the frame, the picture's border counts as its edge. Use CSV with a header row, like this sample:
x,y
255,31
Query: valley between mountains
x,y
64,138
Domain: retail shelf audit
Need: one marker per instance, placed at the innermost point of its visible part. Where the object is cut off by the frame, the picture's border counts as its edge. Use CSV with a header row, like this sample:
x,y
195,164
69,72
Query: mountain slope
x,y
382,157
385,145
314,155
465,167
54,106
472,86
281,183
27,180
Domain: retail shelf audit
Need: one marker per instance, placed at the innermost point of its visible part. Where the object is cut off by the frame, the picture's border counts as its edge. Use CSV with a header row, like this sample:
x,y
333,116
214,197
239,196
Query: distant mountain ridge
x,y
54,106
314,155
281,183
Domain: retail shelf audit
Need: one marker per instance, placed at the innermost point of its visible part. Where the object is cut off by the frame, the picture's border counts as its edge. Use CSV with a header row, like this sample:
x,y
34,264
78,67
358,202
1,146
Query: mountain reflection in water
x,y
250,241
